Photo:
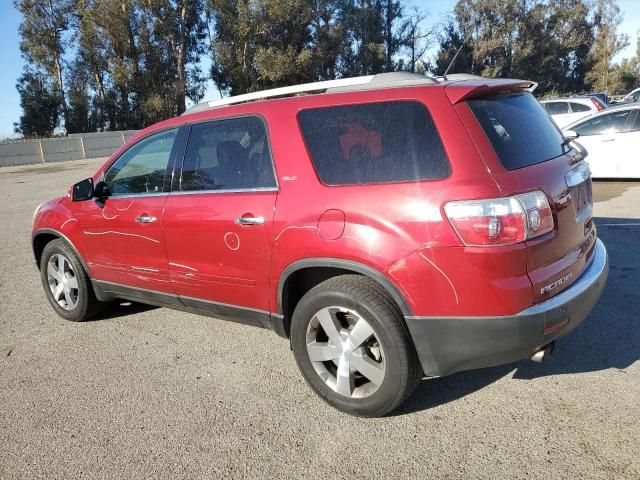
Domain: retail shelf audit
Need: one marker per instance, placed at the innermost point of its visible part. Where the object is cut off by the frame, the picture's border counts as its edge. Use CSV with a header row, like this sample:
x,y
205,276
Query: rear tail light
x,y
597,104
501,221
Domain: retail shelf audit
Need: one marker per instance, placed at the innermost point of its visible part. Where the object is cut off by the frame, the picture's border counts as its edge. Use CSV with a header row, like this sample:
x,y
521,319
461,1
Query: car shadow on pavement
x,y
608,339
121,308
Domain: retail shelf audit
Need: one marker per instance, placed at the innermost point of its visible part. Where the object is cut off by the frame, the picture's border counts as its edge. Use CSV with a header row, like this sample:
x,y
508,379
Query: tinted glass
x,y
557,108
613,122
373,143
578,107
142,168
228,154
520,131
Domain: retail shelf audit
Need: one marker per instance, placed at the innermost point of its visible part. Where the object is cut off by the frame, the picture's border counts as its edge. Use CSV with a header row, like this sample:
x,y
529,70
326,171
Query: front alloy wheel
x,y
66,282
62,281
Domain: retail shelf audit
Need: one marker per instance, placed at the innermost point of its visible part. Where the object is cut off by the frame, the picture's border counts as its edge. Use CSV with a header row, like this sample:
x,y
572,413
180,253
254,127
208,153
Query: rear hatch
x,y
525,152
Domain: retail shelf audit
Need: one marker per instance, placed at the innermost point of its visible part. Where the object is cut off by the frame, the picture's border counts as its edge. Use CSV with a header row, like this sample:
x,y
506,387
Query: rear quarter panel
x,y
397,229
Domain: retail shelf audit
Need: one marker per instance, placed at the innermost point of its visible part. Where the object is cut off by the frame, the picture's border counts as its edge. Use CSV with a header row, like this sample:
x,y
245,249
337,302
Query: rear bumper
x,y
450,344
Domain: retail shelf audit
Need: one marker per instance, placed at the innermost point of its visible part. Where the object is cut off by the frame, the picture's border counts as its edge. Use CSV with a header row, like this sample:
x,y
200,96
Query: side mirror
x,y
570,134
101,190
82,190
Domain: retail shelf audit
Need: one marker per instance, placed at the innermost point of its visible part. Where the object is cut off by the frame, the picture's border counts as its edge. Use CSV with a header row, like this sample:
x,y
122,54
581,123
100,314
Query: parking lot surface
x,y
155,393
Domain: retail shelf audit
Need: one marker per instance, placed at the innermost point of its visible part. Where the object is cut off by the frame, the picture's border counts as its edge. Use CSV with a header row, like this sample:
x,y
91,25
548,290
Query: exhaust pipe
x,y
539,355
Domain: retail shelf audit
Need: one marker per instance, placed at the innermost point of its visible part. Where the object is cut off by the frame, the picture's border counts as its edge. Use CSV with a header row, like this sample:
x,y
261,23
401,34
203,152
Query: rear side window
x,y
556,108
578,107
374,143
520,131
230,154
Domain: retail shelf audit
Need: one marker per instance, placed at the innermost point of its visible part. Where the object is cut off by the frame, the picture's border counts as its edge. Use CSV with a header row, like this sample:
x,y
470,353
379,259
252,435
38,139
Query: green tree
x,y
330,38
364,20
43,44
415,41
179,31
233,45
608,43
545,41
40,102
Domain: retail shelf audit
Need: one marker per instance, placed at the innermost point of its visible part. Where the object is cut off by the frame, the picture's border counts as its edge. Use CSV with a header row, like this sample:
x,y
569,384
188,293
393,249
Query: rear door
x,y
525,152
218,221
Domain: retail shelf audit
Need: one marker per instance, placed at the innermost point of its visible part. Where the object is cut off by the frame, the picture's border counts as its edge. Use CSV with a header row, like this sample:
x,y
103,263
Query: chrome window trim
x,y
139,195
230,190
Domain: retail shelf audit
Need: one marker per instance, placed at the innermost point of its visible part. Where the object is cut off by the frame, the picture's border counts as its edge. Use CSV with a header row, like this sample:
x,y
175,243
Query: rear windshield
x,y
519,129
381,142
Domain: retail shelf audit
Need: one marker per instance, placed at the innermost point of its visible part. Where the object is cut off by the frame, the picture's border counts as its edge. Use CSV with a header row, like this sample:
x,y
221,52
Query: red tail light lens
x,y
500,221
597,104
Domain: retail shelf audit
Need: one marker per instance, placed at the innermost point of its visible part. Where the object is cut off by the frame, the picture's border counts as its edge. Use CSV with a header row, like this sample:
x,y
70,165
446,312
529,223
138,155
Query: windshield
x,y
521,132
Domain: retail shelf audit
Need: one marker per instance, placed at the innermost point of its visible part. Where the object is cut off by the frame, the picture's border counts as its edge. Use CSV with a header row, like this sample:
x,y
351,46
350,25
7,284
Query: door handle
x,y
146,219
250,220
609,140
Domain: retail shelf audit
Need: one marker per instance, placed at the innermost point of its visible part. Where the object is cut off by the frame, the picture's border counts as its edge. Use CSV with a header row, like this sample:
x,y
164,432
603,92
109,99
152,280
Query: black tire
x,y
86,305
372,303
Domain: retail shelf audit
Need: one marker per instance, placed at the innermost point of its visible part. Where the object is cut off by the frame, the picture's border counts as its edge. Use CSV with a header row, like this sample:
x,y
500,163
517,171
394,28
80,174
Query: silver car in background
x,y
564,111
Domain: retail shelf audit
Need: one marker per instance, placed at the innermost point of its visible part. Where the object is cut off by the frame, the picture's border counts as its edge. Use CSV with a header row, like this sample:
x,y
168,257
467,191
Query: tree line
x,y
93,65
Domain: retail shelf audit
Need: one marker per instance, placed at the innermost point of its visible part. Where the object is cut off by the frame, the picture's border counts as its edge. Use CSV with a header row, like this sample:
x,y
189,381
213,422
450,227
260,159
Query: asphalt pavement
x,y
144,392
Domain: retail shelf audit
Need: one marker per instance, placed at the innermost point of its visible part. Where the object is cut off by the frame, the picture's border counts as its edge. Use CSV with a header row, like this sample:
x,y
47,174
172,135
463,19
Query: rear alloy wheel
x,y
352,347
345,352
66,283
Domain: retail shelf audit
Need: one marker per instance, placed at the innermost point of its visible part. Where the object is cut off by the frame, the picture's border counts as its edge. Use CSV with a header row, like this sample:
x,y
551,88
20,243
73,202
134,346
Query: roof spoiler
x,y
465,90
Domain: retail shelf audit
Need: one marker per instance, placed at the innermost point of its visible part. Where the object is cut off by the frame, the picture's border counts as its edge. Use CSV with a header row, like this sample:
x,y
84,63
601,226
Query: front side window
x,y
143,167
521,133
383,142
604,124
231,154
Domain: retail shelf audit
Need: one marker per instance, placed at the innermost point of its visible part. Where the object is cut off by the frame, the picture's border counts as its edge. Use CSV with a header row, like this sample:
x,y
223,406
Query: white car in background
x,y
564,111
632,96
612,140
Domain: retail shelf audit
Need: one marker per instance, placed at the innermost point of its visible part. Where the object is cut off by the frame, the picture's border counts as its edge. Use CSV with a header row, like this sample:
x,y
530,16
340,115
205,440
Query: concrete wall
x,y
76,146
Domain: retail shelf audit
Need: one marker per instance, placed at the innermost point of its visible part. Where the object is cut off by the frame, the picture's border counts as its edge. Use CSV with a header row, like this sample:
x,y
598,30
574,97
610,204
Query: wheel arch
x,y
302,275
43,236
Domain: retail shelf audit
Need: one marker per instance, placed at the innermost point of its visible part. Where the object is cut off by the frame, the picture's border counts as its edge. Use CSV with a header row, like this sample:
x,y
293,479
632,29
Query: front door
x,y
218,221
604,138
122,233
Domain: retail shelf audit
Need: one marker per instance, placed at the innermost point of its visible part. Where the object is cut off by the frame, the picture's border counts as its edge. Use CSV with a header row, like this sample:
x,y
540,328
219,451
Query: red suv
x,y
390,226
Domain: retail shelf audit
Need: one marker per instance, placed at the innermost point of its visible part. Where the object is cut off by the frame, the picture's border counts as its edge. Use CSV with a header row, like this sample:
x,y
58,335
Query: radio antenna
x,y
453,60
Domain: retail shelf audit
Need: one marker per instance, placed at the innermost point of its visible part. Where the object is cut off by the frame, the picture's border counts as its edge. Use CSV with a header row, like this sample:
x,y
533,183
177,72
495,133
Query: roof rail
x,y
381,80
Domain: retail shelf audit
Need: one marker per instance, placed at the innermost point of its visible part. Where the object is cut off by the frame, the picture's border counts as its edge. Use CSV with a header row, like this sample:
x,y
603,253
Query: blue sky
x,y
11,61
